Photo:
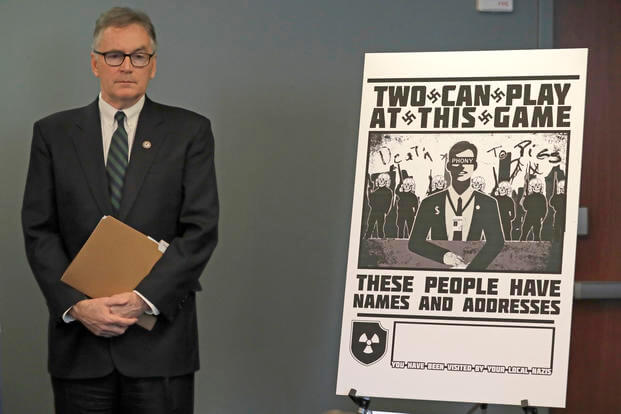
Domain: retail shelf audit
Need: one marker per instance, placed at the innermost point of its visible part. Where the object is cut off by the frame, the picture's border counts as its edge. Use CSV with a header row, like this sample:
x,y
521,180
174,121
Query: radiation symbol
x,y
368,341
374,340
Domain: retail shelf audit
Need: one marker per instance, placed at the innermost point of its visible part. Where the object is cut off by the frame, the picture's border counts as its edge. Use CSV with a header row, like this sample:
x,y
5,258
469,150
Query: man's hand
x,y
96,316
453,260
128,305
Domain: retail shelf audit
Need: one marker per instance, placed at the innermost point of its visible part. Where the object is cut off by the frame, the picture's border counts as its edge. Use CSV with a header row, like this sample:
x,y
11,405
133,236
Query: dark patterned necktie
x,y
458,213
117,162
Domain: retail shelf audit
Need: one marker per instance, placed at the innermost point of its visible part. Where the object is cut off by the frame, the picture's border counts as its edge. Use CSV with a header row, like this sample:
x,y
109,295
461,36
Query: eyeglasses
x,y
116,58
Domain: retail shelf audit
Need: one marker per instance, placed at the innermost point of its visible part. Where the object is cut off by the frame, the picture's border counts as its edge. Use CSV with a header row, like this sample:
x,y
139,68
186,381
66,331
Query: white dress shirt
x,y
108,126
467,200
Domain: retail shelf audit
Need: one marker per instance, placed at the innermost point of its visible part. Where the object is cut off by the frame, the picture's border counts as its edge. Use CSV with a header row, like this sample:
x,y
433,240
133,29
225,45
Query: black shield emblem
x,y
368,341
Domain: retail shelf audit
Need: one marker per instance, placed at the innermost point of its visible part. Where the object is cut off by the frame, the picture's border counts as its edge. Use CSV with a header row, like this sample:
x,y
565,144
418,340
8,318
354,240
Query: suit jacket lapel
x,y
89,146
475,224
441,217
443,208
146,144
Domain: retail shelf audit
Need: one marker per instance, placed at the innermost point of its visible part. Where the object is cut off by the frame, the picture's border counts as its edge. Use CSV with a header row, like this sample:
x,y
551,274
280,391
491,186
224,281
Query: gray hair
x,y
121,17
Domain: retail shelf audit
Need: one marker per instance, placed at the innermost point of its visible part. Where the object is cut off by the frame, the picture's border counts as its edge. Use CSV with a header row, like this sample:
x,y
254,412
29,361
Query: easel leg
x,y
527,408
362,402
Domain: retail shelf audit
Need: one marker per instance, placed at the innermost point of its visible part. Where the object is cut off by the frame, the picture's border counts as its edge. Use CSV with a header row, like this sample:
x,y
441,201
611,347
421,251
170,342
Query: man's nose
x,y
126,65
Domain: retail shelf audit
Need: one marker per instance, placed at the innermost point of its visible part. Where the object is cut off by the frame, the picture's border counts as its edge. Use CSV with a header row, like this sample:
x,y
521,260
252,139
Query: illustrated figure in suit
x,y
506,207
407,205
152,167
380,201
536,207
458,213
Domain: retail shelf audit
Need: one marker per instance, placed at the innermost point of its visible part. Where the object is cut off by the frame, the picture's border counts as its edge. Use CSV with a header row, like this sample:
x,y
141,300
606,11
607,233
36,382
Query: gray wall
x,y
281,82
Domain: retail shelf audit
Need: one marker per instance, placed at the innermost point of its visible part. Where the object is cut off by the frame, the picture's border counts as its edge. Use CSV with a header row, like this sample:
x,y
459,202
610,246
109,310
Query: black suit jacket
x,y
169,193
431,219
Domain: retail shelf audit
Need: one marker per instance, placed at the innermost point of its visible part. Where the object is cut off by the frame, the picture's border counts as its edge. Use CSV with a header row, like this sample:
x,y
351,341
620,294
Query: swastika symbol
x,y
498,95
433,95
408,118
485,117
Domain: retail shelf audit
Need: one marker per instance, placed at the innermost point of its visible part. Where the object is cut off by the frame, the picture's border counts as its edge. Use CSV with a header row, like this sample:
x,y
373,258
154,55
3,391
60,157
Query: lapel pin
x,y
146,144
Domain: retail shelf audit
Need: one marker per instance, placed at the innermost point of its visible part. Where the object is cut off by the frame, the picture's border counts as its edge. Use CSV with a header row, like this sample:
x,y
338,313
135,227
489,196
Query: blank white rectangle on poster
x,y
487,345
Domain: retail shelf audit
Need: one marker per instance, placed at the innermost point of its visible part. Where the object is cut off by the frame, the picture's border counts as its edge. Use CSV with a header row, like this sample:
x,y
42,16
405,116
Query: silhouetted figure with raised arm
x,y
506,207
536,207
558,202
380,200
407,205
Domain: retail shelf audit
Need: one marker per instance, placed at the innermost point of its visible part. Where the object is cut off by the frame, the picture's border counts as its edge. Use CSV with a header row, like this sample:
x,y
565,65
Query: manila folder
x,y
114,259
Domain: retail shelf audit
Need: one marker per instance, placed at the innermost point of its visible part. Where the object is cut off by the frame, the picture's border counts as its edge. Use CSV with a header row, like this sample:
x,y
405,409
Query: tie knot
x,y
119,116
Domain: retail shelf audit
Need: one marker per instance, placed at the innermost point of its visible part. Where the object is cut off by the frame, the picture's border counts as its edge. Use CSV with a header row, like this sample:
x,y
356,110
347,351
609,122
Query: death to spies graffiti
x,y
517,178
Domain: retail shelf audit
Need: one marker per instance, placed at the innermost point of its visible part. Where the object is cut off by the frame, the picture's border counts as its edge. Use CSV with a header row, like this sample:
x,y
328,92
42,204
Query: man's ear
x,y
94,65
154,67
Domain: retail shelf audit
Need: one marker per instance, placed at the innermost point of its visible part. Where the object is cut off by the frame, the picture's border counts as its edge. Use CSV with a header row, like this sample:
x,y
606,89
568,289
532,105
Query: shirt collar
x,y
465,196
108,111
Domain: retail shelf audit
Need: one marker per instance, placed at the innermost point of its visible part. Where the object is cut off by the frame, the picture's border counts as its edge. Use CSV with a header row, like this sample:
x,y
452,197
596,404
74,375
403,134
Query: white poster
x,y
464,220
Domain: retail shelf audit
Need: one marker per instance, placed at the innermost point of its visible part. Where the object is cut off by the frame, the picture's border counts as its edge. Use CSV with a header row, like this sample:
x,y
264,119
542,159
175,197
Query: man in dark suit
x,y
152,167
458,213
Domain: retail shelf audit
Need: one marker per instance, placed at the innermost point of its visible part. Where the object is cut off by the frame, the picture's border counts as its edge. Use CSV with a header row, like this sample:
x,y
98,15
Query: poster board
x,y
462,247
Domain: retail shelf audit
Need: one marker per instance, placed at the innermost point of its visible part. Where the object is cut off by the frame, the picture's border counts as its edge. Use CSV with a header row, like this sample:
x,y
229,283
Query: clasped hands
x,y
454,261
109,316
